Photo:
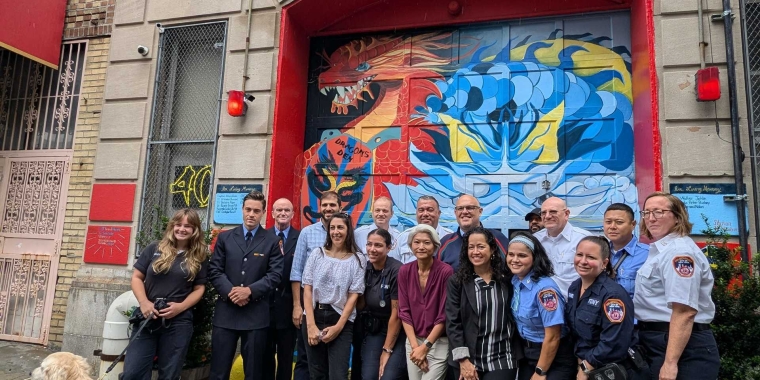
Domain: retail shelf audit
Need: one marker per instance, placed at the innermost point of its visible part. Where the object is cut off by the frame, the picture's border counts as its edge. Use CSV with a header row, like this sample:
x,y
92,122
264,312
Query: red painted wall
x,y
305,18
33,28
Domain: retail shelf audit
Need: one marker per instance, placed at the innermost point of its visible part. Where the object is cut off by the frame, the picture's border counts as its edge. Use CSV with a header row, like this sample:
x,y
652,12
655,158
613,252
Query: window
x,y
184,123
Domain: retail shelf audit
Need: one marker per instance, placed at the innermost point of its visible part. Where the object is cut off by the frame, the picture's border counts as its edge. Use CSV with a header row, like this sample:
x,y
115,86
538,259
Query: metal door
x,y
34,187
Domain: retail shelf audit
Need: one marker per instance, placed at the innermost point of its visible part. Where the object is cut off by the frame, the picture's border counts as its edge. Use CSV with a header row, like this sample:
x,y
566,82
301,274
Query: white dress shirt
x,y
561,251
361,234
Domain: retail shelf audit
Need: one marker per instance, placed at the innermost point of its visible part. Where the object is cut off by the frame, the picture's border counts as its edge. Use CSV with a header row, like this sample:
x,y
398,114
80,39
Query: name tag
x,y
593,302
571,295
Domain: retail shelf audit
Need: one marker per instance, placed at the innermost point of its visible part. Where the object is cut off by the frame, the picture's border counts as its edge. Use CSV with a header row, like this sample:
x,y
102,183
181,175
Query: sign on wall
x,y
707,199
228,202
107,244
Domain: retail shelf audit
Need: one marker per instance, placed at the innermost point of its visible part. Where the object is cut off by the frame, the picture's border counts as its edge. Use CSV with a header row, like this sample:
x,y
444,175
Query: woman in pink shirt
x,y
422,301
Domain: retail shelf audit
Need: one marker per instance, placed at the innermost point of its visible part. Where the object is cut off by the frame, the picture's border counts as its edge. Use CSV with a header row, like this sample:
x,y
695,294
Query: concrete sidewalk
x,y
17,360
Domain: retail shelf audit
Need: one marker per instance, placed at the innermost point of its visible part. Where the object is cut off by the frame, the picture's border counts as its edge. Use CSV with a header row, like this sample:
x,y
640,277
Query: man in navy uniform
x,y
245,269
282,334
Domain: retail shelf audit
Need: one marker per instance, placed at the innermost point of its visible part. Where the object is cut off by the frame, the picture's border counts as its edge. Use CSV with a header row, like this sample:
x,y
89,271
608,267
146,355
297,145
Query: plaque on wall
x,y
228,202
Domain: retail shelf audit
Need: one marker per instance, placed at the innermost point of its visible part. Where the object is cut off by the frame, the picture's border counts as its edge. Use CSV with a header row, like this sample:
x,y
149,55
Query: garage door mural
x,y
512,113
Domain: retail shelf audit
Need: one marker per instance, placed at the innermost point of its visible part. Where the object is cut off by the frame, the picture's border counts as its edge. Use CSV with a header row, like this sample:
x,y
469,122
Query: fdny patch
x,y
684,266
615,310
549,299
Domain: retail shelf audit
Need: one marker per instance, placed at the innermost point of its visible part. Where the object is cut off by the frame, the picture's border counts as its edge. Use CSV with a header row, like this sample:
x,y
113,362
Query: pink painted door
x,y
33,190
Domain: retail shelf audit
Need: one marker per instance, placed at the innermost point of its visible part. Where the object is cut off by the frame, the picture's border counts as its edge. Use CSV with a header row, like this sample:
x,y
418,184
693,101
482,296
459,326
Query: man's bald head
x,y
554,214
468,212
282,212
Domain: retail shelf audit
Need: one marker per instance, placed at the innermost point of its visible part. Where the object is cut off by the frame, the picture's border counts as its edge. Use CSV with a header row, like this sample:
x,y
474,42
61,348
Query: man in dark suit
x,y
282,333
245,269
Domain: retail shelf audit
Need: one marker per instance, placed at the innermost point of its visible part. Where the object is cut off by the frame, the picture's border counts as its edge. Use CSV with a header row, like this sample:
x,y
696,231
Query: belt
x,y
324,306
665,326
530,344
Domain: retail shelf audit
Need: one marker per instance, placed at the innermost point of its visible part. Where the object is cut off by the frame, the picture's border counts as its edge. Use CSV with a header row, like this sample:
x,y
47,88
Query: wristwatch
x,y
540,372
584,368
427,343
388,350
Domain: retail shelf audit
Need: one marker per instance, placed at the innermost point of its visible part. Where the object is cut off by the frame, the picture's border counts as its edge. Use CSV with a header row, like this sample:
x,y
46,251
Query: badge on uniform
x,y
549,299
684,266
615,310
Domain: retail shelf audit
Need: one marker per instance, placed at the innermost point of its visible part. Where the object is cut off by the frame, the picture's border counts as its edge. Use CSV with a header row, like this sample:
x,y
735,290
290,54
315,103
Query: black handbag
x,y
612,371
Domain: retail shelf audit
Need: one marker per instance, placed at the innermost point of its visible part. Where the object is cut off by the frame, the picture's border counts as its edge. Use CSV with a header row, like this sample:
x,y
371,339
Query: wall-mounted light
x,y
237,103
708,84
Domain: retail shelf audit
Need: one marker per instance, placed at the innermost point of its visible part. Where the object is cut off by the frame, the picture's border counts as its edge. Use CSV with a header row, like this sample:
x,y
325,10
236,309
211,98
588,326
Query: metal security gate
x,y
30,241
750,17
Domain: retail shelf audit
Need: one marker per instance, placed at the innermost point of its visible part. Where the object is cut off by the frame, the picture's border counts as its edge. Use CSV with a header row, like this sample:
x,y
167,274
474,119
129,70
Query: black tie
x,y
248,238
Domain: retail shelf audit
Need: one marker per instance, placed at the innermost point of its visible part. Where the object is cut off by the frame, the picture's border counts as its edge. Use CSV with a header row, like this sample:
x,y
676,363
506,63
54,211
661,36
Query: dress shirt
x,y
361,234
626,272
312,236
561,251
404,252
284,232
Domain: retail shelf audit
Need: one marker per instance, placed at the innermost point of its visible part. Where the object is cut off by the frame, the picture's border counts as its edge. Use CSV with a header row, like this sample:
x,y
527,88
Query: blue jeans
x,y
168,343
395,369
328,360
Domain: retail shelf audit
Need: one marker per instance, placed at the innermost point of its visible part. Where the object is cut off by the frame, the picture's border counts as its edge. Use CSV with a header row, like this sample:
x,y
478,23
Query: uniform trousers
x,y
437,358
280,342
564,366
169,343
224,344
499,374
699,360
395,368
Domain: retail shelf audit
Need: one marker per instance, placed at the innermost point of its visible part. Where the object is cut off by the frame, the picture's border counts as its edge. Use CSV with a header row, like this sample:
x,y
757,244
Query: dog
x,y
62,366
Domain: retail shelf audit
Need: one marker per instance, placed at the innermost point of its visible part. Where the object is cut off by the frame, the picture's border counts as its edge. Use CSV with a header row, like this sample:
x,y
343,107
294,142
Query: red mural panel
x,y
112,202
107,245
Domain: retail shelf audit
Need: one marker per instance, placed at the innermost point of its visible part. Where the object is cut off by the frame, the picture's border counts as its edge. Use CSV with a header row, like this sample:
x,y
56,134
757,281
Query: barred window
x,y
38,104
184,124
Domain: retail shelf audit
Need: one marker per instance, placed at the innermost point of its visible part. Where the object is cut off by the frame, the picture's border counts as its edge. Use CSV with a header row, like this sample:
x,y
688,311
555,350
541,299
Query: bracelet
x,y
388,350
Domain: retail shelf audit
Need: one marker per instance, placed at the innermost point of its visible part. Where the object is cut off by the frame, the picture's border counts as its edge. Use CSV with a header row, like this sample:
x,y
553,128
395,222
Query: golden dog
x,y
62,366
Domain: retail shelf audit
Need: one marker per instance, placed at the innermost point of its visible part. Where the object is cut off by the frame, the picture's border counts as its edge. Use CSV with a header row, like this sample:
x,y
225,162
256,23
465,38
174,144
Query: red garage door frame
x,y
304,19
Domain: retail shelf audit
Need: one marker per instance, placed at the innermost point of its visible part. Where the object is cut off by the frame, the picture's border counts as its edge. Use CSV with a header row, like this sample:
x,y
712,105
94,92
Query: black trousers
x,y
252,347
329,361
699,360
357,344
280,342
168,343
564,366
499,374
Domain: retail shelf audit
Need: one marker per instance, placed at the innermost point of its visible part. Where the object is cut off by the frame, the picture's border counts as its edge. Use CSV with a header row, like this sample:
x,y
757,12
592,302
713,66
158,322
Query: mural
x,y
509,114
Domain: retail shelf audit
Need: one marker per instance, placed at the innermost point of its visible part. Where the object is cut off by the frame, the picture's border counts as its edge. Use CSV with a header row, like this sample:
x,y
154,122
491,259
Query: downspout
x,y
750,114
247,45
741,197
701,27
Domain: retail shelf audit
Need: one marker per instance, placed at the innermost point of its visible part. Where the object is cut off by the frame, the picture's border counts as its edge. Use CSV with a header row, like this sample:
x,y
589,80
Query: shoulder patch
x,y
615,310
684,266
548,299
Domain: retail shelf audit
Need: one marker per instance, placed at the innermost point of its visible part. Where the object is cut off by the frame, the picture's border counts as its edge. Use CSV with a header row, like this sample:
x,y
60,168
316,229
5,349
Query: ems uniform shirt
x,y
561,251
536,305
381,285
601,320
173,285
676,270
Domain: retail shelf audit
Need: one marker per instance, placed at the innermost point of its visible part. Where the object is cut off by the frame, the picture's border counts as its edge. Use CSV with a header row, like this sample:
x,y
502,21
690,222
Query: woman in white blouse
x,y
333,279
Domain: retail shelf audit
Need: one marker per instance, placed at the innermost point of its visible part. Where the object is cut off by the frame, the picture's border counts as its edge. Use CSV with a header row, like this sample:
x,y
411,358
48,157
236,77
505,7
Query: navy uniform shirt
x,y
601,321
451,246
381,285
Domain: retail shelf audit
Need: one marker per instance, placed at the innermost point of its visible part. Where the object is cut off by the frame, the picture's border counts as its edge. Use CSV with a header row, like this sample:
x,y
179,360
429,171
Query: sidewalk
x,y
17,360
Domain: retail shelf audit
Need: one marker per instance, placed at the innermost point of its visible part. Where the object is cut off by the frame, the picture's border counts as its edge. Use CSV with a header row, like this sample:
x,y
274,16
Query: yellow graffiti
x,y
190,183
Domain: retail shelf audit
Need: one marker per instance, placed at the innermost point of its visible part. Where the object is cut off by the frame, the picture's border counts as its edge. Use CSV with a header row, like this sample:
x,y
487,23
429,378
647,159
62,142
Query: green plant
x,y
737,308
153,232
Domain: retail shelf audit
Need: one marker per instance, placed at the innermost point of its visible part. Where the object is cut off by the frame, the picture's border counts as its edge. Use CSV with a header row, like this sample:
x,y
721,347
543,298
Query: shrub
x,y
737,309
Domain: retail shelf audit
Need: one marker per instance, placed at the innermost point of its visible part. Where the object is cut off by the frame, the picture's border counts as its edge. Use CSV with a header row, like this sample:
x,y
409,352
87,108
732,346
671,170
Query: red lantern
x,y
708,84
236,105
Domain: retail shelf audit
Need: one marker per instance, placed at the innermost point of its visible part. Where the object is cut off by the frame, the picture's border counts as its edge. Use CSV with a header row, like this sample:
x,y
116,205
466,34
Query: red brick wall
x,y
88,18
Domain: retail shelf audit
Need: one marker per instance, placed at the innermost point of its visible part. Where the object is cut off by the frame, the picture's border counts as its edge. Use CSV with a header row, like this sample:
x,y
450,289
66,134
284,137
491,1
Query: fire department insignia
x,y
684,266
549,299
615,310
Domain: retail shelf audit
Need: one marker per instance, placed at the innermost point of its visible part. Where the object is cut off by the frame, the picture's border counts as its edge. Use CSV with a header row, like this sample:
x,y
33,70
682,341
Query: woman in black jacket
x,y
480,326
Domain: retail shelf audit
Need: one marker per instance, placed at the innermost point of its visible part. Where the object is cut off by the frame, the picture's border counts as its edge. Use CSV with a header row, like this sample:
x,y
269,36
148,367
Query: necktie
x,y
282,242
248,238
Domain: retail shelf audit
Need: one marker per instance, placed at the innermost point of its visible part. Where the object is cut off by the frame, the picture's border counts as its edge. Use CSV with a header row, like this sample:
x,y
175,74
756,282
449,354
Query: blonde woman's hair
x,y
680,213
196,252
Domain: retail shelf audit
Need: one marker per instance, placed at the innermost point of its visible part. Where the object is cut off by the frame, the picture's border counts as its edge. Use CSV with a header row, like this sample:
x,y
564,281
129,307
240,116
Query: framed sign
x,y
228,202
708,199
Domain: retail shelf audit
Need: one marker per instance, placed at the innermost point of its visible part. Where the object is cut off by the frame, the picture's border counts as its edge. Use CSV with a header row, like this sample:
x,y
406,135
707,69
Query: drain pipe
x,y
741,196
701,27
247,45
751,119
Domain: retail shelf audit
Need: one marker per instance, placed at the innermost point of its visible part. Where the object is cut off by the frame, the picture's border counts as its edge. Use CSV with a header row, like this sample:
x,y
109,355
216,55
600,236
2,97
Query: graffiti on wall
x,y
191,186
511,120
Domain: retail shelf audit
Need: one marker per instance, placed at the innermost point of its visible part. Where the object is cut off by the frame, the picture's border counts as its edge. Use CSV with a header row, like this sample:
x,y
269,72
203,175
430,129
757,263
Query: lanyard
x,y
617,265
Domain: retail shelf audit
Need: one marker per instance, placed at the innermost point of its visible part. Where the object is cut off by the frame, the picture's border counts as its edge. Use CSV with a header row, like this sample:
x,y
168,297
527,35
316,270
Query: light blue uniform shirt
x,y
536,305
626,272
311,237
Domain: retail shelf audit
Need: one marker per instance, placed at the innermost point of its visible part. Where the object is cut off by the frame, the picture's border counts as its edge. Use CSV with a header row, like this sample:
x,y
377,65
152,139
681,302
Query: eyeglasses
x,y
656,213
468,208
552,212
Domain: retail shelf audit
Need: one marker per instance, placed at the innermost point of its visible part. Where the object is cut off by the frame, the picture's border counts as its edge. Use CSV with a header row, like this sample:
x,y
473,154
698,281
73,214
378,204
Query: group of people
x,y
554,302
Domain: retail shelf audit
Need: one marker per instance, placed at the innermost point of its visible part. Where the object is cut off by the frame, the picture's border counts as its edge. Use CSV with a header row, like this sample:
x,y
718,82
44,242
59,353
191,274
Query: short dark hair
x,y
604,249
329,194
429,198
621,207
256,195
383,233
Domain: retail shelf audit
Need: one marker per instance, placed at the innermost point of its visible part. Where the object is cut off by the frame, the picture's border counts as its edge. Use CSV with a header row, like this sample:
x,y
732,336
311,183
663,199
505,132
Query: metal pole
x,y
741,197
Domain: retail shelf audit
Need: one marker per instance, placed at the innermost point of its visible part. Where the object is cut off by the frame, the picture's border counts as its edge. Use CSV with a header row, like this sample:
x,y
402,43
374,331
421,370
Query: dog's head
x,y
62,366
